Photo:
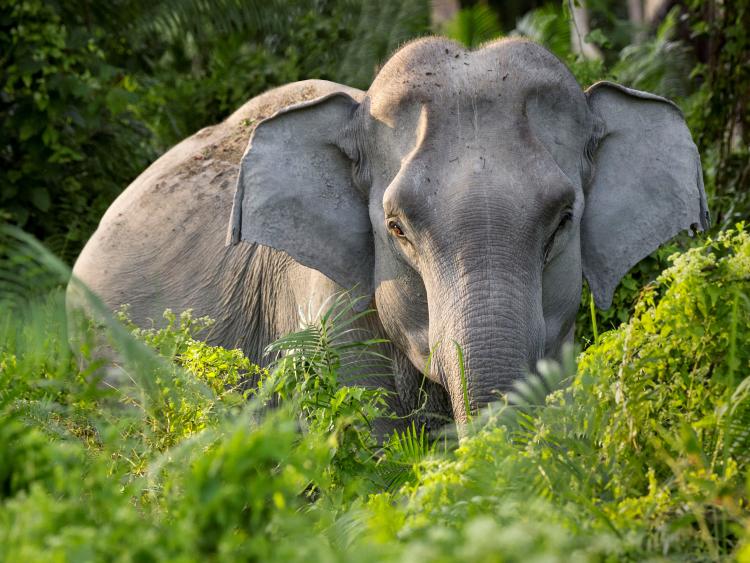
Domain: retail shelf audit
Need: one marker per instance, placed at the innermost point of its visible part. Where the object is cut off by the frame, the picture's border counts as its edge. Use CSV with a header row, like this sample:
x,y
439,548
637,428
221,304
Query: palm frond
x,y
661,65
546,25
473,26
550,376
332,343
518,408
379,29
402,454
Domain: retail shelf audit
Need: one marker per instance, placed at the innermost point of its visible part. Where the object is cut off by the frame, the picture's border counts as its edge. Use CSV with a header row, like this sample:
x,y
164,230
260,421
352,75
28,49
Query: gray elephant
x,y
462,196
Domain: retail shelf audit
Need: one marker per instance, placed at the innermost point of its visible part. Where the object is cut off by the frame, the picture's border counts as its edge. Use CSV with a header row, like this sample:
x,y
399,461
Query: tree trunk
x,y
579,29
442,11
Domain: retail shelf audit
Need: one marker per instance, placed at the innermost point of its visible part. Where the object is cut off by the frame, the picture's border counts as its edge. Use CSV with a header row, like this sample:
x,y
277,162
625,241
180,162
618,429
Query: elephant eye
x,y
566,218
395,229
550,249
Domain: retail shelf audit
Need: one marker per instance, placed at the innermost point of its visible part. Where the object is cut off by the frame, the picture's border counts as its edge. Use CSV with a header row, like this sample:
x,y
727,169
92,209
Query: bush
x,y
69,138
642,456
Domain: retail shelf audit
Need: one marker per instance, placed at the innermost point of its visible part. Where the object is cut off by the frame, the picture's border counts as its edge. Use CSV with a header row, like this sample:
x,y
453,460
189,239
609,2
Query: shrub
x,y
643,456
69,137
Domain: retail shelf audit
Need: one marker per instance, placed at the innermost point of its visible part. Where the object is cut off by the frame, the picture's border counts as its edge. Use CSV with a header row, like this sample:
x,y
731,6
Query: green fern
x,y
473,26
401,456
662,64
546,25
380,28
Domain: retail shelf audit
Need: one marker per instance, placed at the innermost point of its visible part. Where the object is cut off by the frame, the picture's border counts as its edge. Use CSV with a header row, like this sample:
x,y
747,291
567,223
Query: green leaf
x,y
597,37
28,128
40,198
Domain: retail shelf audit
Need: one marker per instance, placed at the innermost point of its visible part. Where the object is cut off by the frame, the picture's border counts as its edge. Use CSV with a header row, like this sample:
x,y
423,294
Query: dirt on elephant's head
x,y
227,141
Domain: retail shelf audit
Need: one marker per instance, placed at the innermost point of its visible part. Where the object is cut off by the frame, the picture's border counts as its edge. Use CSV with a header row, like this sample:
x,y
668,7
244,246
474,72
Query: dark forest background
x,y
92,92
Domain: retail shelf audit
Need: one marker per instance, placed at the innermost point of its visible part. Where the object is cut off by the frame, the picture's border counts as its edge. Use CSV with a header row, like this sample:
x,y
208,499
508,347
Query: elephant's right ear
x,y
296,193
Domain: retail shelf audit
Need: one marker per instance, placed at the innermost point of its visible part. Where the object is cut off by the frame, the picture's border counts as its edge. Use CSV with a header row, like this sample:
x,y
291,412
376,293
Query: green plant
x,y
546,25
473,26
638,453
718,113
631,287
661,64
68,118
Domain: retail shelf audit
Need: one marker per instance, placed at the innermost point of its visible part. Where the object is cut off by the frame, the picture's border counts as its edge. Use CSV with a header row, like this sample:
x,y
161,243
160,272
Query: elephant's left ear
x,y
295,193
647,184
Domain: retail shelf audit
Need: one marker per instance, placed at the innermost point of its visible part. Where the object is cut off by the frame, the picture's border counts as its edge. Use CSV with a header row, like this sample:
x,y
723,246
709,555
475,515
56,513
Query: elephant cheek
x,y
561,290
402,309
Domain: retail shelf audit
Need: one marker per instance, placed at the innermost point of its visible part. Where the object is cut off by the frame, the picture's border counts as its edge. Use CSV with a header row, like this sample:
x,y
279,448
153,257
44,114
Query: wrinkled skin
x,y
463,195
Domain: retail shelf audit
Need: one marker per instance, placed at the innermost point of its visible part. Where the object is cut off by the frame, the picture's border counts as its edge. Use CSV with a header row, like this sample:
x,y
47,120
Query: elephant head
x,y
467,193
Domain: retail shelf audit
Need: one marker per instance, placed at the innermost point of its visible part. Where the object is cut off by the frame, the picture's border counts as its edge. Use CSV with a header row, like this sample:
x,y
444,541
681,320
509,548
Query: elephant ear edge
x,y
295,193
646,186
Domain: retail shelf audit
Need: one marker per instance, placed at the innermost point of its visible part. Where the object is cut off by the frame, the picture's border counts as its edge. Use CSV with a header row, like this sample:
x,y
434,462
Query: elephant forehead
x,y
441,74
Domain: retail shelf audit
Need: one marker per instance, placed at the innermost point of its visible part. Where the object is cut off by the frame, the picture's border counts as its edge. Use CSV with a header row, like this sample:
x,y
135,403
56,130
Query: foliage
x,y
201,75
219,368
69,137
642,456
660,64
473,26
546,26
88,97
719,113
639,453
639,279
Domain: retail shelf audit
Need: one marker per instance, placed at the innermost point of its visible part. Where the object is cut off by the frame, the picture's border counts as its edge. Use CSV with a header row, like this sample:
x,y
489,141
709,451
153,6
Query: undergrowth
x,y
639,453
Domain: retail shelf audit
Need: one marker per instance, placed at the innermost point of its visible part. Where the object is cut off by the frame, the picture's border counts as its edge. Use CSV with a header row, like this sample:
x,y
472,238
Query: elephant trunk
x,y
487,331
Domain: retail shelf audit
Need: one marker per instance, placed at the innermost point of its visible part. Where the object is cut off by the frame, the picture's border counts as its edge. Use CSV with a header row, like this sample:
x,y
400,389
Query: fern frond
x,y
381,27
547,26
661,64
402,454
473,26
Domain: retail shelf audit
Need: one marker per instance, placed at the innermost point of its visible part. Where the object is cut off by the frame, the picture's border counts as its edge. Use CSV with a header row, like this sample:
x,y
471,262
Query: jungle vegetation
x,y
635,447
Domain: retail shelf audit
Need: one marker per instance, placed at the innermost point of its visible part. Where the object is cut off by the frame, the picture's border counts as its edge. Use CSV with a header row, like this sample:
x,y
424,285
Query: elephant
x,y
463,197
